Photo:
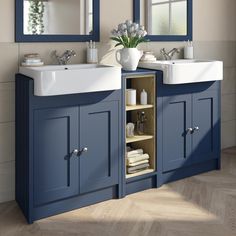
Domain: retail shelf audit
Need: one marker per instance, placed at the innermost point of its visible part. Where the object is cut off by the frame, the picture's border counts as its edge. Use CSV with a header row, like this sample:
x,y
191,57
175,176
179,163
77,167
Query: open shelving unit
x,y
147,142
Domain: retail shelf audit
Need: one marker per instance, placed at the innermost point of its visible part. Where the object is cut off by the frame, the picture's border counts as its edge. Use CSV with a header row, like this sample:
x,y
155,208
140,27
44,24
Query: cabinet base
x,y
164,178
72,203
189,171
141,185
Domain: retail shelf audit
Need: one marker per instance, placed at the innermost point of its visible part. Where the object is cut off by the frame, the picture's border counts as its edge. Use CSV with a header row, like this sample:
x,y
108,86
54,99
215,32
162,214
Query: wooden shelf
x,y
138,138
138,107
143,172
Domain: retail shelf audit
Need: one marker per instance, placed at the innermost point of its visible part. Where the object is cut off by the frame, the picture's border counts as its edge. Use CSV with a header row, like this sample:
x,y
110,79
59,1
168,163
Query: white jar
x,y
130,97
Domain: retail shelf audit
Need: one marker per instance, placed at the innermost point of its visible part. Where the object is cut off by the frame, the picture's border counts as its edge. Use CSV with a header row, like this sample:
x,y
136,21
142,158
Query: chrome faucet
x,y
64,58
170,54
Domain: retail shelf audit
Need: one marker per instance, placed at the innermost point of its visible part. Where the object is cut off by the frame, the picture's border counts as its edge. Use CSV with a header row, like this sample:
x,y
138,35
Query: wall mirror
x,y
165,20
57,20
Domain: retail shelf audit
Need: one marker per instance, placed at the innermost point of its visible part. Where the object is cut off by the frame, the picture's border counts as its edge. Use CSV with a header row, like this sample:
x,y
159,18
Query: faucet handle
x,y
163,51
71,52
178,50
164,54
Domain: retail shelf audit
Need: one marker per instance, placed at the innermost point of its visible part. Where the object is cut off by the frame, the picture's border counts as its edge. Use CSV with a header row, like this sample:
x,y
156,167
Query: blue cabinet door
x,y
176,138
55,136
99,132
206,119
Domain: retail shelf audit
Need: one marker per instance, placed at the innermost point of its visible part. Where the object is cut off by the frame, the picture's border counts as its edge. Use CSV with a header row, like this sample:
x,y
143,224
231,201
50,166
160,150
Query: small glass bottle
x,y
140,126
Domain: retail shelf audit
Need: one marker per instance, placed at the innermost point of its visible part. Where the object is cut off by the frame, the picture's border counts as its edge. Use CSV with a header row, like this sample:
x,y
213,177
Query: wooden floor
x,y
203,205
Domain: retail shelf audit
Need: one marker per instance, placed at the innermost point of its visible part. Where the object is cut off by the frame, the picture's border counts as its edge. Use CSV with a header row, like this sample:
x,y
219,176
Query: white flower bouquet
x,y
129,34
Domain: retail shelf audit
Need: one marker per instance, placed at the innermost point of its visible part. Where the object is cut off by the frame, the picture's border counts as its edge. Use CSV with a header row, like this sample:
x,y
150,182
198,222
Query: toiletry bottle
x,y
143,97
92,53
188,50
95,53
140,124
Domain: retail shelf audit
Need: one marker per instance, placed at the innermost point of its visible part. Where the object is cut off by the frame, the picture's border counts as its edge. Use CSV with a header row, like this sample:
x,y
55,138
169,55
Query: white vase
x,y
128,58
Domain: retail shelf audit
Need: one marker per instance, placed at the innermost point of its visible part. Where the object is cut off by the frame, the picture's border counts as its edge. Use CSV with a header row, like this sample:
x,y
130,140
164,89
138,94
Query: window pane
x,y
179,18
90,6
160,19
159,1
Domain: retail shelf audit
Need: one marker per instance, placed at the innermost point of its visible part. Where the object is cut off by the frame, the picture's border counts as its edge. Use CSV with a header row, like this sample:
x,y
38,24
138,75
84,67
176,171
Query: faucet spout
x,y
170,54
173,51
64,58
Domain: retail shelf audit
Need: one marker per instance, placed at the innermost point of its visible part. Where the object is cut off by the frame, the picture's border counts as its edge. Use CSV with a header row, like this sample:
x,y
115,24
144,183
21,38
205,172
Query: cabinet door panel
x,y
206,117
99,129
55,173
176,139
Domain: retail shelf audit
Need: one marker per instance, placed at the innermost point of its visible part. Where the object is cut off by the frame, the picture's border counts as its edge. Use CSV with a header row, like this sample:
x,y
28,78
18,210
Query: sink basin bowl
x,y
187,71
71,79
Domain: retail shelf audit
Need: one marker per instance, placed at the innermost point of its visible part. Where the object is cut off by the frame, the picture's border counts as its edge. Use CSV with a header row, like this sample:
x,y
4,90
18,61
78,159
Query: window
x,y
166,17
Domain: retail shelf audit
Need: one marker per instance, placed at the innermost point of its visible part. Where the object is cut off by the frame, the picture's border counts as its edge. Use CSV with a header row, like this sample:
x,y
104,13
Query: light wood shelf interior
x,y
143,172
147,142
139,107
138,138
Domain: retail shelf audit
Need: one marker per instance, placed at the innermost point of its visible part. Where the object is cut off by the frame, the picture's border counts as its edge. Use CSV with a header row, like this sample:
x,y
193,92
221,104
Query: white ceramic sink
x,y
187,71
71,79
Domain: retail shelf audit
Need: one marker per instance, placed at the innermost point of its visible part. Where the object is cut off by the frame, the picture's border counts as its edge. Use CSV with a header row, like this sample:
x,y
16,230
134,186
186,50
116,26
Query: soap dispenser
x,y
92,53
188,50
143,97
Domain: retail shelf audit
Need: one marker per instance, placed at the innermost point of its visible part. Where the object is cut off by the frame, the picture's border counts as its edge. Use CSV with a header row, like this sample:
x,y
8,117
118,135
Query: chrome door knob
x,y
74,152
189,130
78,153
196,129
83,150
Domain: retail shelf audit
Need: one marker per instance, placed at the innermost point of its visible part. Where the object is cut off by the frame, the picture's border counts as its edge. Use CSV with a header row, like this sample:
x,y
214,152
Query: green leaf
x,y
118,44
125,40
115,39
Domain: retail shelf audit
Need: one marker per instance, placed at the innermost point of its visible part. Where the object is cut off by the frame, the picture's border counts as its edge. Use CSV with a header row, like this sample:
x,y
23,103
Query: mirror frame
x,y
188,36
21,37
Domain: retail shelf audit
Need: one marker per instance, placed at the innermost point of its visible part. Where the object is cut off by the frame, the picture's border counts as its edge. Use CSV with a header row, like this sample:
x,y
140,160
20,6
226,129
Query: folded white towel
x,y
135,152
137,158
135,169
138,163
33,60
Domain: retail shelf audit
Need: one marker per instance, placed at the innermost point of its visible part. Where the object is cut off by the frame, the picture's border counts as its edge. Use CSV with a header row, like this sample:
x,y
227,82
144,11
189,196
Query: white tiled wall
x,y
214,36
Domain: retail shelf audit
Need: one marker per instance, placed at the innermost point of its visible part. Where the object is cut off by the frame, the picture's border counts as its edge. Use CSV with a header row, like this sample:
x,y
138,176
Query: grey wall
x,y
214,38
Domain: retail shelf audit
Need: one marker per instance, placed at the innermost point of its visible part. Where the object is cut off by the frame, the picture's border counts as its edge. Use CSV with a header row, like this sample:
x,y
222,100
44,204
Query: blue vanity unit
x,y
70,149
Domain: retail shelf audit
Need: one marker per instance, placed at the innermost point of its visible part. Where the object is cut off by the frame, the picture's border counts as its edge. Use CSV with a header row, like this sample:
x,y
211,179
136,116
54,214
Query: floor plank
x,y
202,205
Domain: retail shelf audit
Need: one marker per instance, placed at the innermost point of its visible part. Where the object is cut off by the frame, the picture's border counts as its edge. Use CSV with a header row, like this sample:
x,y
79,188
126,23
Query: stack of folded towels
x,y
136,161
32,59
